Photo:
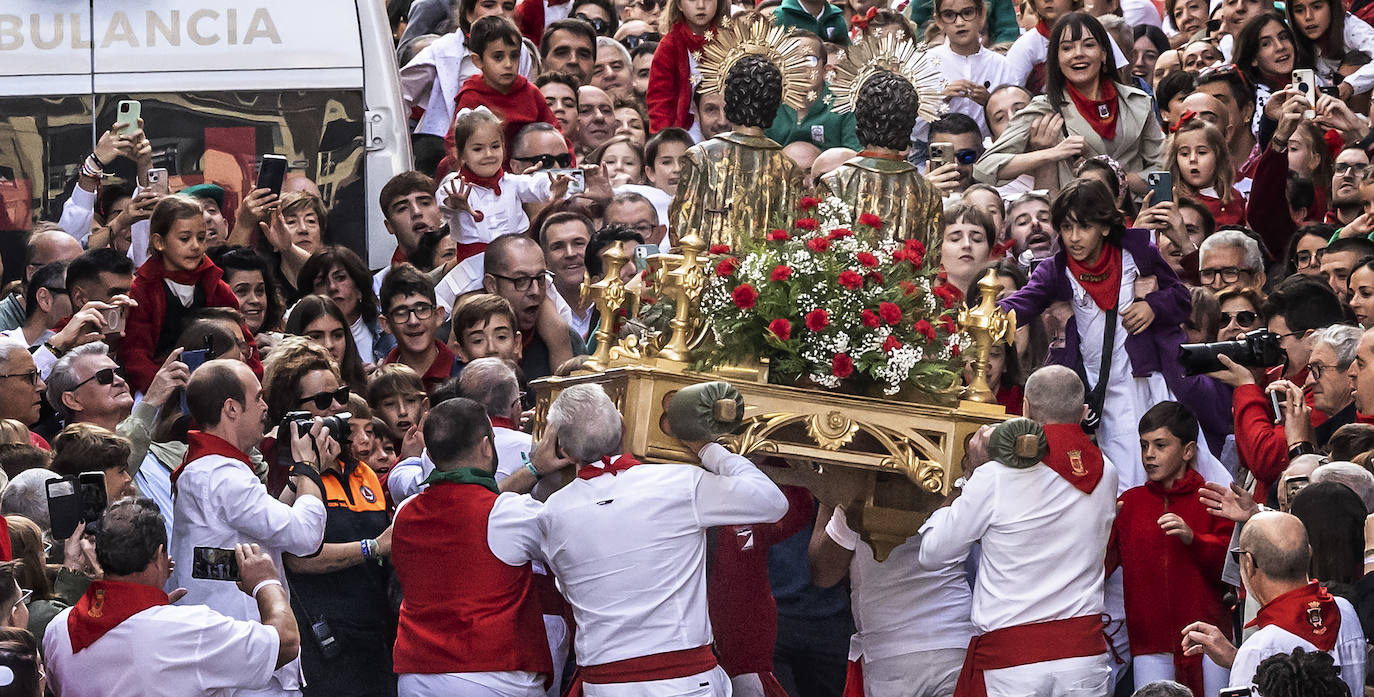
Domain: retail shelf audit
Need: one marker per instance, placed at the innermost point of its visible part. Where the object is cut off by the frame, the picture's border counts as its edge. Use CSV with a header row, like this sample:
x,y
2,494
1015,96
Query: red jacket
x,y
1168,584
1263,445
669,97
522,105
144,325
529,18
1230,213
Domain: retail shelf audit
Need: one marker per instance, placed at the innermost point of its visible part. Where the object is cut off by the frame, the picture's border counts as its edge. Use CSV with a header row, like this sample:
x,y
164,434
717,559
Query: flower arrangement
x,y
828,306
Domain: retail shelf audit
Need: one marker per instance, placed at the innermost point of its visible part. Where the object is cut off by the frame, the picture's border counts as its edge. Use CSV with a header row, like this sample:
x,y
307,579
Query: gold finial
x,y
898,55
609,295
753,33
684,285
989,325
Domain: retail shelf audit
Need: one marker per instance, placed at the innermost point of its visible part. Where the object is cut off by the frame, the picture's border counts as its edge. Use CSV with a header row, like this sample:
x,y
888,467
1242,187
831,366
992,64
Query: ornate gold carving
x,y
988,325
684,285
832,431
609,295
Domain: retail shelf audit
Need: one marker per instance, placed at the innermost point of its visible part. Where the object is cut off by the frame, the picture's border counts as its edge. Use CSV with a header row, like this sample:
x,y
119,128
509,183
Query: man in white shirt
x,y
1295,611
1038,599
220,502
123,638
492,383
628,543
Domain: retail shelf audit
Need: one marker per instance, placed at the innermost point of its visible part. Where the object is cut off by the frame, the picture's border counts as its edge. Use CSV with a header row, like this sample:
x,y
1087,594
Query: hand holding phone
x,y
941,153
157,181
64,507
1305,81
215,564
129,112
271,173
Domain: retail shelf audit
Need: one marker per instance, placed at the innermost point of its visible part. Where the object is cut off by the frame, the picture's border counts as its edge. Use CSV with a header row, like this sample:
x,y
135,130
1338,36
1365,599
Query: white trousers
x,y
712,683
557,630
1088,676
747,685
931,673
453,685
1160,666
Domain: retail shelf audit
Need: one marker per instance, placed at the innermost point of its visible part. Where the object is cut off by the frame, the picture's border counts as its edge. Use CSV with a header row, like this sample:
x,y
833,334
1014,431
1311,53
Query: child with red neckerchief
x,y
685,33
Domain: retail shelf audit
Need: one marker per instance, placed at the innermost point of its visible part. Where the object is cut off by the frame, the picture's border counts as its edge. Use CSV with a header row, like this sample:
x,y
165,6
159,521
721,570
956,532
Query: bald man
x,y
46,243
828,160
1295,611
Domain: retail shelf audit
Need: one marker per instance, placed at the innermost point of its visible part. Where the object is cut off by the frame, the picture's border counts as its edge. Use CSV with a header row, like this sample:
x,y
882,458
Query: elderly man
x,y
21,387
596,122
639,214
539,145
1231,259
1038,598
1295,611
46,243
613,68
27,495
642,630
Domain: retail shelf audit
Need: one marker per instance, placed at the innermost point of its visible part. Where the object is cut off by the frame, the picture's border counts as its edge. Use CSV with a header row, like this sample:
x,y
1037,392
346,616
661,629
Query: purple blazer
x,y
1153,350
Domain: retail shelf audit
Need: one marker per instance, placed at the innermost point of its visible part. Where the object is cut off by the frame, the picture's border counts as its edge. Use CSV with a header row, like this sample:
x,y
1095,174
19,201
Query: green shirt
x,y
830,26
1002,26
821,127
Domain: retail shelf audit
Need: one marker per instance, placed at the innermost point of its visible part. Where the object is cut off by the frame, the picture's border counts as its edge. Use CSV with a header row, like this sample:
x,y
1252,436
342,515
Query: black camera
x,y
336,424
1255,349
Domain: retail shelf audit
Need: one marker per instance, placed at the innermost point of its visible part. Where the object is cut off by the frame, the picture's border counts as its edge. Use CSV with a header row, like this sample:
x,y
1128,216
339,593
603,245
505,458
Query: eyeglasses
x,y
402,314
104,376
1307,260
968,14
561,160
1355,169
522,283
633,42
322,400
600,25
1221,70
31,376
1318,368
1244,318
24,597
966,157
1229,274
1236,552
644,229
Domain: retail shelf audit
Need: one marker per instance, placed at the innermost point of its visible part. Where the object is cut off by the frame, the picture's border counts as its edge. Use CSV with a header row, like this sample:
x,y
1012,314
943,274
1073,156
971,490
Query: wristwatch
x,y
960,482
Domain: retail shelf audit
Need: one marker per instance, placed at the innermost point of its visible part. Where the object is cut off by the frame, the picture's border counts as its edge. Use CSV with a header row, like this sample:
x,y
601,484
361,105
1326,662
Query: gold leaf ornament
x,y
888,52
753,33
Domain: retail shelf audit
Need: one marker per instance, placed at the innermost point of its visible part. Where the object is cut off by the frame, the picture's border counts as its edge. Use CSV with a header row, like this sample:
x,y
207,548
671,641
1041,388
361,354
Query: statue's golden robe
x,y
893,190
734,188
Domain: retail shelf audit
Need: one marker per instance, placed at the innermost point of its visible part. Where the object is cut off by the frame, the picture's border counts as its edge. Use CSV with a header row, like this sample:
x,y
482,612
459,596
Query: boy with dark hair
x,y
483,326
663,155
397,397
1162,526
495,45
409,211
410,313
560,93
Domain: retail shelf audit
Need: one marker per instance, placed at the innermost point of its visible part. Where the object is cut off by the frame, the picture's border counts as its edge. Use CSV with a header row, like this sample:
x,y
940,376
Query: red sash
x,y
106,604
659,666
1308,612
1073,456
620,464
854,679
200,444
1024,644
467,250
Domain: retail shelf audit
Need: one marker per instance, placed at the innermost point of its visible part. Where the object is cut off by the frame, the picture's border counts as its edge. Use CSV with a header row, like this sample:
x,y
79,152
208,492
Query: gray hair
x,y
608,42
1343,339
27,495
491,383
587,423
8,347
63,378
1054,395
1351,476
1163,688
1234,238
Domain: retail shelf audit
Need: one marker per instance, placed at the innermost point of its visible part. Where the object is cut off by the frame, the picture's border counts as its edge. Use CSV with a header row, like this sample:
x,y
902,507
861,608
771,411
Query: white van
x,y
221,83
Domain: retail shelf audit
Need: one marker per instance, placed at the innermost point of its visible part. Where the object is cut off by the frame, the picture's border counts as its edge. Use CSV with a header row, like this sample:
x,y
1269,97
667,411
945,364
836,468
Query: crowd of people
x,y
320,478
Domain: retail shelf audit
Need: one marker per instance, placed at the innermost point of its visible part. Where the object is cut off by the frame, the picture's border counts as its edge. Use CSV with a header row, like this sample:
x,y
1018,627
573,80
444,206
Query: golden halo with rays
x,y
888,52
753,33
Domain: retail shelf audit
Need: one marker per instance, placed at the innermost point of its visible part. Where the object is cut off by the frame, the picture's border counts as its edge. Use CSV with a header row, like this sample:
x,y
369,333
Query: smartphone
x,y
64,507
1161,186
193,359
642,254
579,178
214,564
130,111
1333,90
91,487
114,320
271,173
941,153
1277,403
157,181
1305,80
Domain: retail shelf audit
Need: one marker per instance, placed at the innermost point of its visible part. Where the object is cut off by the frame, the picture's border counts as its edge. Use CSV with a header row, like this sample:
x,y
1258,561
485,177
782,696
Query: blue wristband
x,y
533,470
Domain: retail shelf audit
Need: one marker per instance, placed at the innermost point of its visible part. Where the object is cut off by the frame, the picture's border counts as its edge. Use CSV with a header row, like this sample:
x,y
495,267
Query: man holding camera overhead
x,y
219,502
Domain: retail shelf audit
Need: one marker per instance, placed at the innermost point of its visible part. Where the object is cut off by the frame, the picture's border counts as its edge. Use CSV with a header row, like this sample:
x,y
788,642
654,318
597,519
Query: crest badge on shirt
x,y
818,133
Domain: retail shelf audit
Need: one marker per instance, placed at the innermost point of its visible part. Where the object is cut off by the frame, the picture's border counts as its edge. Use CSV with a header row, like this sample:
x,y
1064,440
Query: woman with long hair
x,y
320,321
339,273
1265,54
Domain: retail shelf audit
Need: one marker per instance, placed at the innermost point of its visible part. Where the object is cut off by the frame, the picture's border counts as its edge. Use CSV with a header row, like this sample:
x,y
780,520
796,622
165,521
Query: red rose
x,y
719,249
780,328
908,288
890,312
808,202
948,323
891,344
867,259
946,295
916,259
870,319
870,220
778,236
850,279
817,319
955,350
840,233
875,277
744,296
819,244
925,328
841,366
806,224
900,255
727,266
781,272
916,247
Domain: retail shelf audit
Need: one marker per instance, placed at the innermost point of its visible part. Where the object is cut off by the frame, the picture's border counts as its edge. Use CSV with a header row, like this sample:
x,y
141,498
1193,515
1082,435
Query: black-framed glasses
x,y
1354,168
402,314
1236,552
1228,274
1307,259
1244,318
1318,368
322,400
633,41
31,376
522,283
104,377
966,156
600,25
560,161
968,14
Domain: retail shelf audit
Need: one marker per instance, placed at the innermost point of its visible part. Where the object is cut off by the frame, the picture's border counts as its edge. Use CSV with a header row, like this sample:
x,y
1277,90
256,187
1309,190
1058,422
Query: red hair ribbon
x,y
860,22
1187,116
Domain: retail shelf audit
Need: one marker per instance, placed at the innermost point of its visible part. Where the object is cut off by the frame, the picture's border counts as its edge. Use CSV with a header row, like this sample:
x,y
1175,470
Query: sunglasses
x,y
600,25
633,42
324,399
560,161
104,376
1244,318
967,156
1236,552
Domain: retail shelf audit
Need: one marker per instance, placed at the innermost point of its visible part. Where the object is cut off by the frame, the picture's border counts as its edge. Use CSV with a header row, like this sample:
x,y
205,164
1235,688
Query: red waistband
x,y
659,666
1024,644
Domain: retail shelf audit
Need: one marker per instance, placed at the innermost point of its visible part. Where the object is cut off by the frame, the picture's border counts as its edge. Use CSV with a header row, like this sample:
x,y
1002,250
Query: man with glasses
x,y
14,601
515,270
46,243
1339,259
970,69
46,303
21,388
962,133
539,145
1230,259
819,125
638,213
1346,174
410,313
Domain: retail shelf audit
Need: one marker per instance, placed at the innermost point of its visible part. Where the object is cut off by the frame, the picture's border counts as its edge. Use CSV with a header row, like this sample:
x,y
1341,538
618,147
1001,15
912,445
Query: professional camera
x,y
1256,349
336,425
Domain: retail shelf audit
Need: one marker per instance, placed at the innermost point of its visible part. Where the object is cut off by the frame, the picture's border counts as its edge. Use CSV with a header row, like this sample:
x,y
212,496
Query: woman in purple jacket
x,y
1095,271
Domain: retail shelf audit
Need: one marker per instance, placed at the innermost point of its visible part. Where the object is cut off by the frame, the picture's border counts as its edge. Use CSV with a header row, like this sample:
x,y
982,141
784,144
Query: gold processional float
x,y
889,463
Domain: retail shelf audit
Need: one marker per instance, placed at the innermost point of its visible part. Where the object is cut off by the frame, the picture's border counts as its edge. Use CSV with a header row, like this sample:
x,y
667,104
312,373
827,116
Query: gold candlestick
x,y
608,294
988,324
684,285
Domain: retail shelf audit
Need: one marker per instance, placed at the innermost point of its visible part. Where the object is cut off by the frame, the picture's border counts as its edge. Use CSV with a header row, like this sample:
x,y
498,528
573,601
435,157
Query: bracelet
x,y
56,352
264,584
1303,448
91,168
367,552
96,159
534,470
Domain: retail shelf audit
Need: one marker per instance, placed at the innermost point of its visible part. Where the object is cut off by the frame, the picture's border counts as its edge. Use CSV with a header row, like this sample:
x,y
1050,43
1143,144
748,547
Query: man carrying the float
x,y
1043,508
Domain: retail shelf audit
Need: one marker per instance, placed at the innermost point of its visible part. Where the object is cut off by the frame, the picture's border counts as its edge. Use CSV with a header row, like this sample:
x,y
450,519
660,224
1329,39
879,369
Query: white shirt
x,y
407,476
1031,49
986,68
1137,12
501,213
219,502
445,64
77,214
164,651
1350,650
1043,542
362,336
1358,36
629,550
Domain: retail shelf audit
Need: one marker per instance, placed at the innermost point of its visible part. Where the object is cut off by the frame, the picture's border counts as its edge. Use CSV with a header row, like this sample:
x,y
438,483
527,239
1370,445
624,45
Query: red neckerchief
x,y
1001,249
1100,113
200,444
1363,418
156,268
620,464
502,422
1102,280
398,257
493,183
1073,456
1308,612
1187,485
1043,28
689,38
881,155
104,605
